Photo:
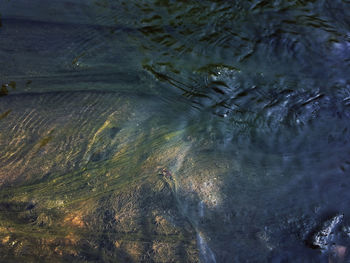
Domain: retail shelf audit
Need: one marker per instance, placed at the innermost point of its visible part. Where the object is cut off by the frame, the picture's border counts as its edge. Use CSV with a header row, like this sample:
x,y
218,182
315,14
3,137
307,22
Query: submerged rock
x,y
97,196
324,238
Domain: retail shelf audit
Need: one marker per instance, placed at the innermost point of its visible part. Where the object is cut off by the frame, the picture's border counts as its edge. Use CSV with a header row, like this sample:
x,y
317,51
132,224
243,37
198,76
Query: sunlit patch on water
x,y
206,253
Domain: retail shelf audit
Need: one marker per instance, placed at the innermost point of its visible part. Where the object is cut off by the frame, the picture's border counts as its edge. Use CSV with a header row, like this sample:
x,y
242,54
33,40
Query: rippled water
x,y
239,108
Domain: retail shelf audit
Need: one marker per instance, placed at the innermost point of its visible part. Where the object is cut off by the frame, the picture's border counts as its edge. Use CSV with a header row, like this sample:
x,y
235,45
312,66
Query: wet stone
x,y
325,237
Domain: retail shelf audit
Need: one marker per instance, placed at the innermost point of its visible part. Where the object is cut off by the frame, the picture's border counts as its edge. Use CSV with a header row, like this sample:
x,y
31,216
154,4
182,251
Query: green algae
x,y
4,91
45,141
97,174
52,197
5,114
4,88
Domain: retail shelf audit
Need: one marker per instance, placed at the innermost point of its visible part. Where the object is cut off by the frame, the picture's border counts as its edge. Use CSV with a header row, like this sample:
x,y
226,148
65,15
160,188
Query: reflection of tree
x,y
240,58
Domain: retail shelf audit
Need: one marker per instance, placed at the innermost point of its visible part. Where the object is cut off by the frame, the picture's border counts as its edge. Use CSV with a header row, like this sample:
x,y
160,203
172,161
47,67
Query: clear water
x,y
256,92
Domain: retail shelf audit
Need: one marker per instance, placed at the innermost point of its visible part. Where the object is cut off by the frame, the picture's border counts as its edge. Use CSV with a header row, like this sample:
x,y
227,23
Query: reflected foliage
x,y
247,58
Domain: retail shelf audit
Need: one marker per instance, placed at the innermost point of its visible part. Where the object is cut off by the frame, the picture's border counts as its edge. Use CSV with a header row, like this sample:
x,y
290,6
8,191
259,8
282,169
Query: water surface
x,y
181,131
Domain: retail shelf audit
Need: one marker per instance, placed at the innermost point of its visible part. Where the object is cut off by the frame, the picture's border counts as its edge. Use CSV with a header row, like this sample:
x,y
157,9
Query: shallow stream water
x,y
240,108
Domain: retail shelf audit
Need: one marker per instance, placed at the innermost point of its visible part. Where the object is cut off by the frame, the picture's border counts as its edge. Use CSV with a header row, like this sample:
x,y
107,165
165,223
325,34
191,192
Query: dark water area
x,y
175,131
